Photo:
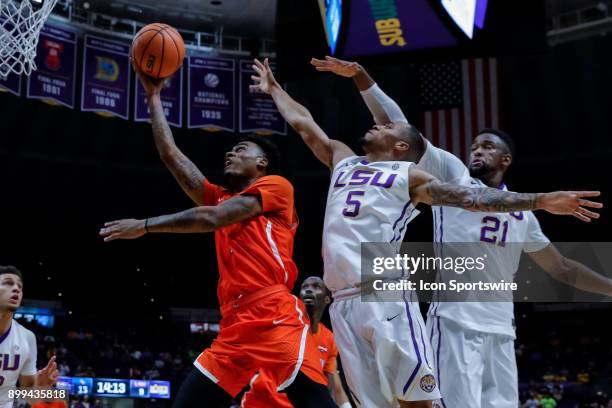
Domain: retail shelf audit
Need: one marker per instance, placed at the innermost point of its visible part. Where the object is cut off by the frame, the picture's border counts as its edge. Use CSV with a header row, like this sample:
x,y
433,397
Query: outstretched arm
x,y
194,220
383,108
427,189
184,171
571,272
337,391
327,150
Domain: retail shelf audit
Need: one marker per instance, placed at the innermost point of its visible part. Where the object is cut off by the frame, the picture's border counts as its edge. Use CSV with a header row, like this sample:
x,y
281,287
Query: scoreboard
x,y
113,387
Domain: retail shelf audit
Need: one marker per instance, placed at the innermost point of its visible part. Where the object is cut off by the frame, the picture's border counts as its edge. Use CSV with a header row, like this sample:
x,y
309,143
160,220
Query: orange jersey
x,y
256,253
324,339
263,392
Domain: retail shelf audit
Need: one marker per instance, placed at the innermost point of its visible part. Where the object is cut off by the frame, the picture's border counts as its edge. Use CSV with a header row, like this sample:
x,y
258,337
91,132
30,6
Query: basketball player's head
x,y
11,288
315,294
492,152
252,157
395,141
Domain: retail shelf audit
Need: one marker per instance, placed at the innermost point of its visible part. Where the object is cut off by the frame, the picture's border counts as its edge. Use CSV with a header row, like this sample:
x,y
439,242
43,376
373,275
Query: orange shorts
x,y
263,394
267,330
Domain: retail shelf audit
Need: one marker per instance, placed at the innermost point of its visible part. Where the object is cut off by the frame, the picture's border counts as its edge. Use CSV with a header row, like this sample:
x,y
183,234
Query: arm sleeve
x,y
211,192
275,193
29,366
443,165
381,106
535,239
330,364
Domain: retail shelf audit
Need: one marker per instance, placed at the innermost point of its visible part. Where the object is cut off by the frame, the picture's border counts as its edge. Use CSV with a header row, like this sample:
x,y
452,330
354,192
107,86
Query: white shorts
x,y
385,351
474,369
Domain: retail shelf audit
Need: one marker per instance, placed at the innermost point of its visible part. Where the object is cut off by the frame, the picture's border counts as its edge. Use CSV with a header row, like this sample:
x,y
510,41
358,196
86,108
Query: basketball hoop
x,y
20,25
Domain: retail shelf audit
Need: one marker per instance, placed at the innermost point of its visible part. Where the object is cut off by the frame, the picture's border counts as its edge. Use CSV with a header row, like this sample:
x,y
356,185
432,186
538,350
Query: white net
x,y
20,25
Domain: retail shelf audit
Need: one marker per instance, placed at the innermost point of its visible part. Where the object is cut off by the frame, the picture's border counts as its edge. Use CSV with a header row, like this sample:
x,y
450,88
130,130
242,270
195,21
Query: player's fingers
x,y
588,213
258,63
586,193
323,68
331,59
111,223
267,64
256,78
581,217
254,88
258,70
316,62
592,204
112,237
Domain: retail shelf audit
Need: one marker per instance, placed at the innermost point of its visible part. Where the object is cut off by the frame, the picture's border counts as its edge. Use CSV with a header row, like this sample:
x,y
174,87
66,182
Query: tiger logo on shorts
x,y
428,383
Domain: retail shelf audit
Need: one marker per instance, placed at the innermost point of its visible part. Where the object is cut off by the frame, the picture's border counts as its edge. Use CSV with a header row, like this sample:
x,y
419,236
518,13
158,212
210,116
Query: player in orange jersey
x,y
263,326
316,297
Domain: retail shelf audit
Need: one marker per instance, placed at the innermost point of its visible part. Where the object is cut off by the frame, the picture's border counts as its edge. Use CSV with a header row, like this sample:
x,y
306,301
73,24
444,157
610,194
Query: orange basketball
x,y
158,50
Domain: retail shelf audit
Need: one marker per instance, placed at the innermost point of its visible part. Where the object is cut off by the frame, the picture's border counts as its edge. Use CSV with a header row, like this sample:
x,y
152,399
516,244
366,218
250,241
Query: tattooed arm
x,y
427,189
194,220
184,171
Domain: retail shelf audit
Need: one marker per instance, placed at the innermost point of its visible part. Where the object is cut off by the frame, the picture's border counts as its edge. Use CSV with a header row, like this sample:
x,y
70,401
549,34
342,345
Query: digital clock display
x,y
110,387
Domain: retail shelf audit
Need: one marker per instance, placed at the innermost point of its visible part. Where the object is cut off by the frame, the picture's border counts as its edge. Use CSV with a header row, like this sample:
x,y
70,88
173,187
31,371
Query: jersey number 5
x,y
353,204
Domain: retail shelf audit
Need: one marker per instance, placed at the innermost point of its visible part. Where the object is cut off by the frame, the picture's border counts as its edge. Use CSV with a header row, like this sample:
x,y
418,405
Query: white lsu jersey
x,y
366,202
17,357
492,231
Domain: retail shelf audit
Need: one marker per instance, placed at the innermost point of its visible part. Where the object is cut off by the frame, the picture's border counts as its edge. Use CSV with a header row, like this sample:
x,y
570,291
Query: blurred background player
x,y
18,344
316,297
474,342
263,326
371,199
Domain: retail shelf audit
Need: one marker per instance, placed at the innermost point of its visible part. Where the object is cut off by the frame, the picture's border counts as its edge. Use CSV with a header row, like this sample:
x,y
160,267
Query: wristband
x,y
345,405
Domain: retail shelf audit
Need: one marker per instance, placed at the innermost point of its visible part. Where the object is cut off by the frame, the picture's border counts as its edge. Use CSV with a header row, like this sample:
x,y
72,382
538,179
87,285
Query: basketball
x,y
158,50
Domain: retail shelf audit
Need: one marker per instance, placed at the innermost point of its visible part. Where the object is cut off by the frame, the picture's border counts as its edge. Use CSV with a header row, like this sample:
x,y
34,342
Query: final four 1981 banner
x,y
106,76
56,62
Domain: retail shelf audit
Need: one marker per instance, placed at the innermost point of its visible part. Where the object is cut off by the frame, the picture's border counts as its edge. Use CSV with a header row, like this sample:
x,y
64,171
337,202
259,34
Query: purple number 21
x,y
350,200
488,233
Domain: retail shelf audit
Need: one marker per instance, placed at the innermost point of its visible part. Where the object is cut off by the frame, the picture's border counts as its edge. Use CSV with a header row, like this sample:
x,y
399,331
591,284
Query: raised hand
x,y
47,377
152,86
123,229
337,66
571,203
264,80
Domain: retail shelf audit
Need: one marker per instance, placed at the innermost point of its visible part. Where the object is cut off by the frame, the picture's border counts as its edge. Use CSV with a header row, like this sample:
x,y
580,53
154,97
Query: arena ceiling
x,y
243,18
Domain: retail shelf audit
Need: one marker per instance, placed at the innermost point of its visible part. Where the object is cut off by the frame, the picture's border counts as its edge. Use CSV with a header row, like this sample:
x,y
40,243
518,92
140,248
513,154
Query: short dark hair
x,y
10,269
503,136
414,138
269,148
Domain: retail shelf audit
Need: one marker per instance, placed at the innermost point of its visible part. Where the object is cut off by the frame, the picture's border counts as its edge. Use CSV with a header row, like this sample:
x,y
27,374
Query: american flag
x,y
459,99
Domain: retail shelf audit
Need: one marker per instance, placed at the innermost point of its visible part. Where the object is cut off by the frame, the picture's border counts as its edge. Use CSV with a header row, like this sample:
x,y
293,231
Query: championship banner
x,y
106,76
211,90
257,110
171,97
11,84
56,61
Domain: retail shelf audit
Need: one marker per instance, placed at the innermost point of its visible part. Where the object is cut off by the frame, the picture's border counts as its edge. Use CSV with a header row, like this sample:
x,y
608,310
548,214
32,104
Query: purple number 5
x,y
350,200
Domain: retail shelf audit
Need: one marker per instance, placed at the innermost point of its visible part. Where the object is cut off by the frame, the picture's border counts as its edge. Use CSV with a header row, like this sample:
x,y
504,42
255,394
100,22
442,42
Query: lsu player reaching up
x,y
384,347
18,344
474,341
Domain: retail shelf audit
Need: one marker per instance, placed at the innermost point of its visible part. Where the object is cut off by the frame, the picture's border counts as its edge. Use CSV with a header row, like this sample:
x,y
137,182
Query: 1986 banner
x,y
106,76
